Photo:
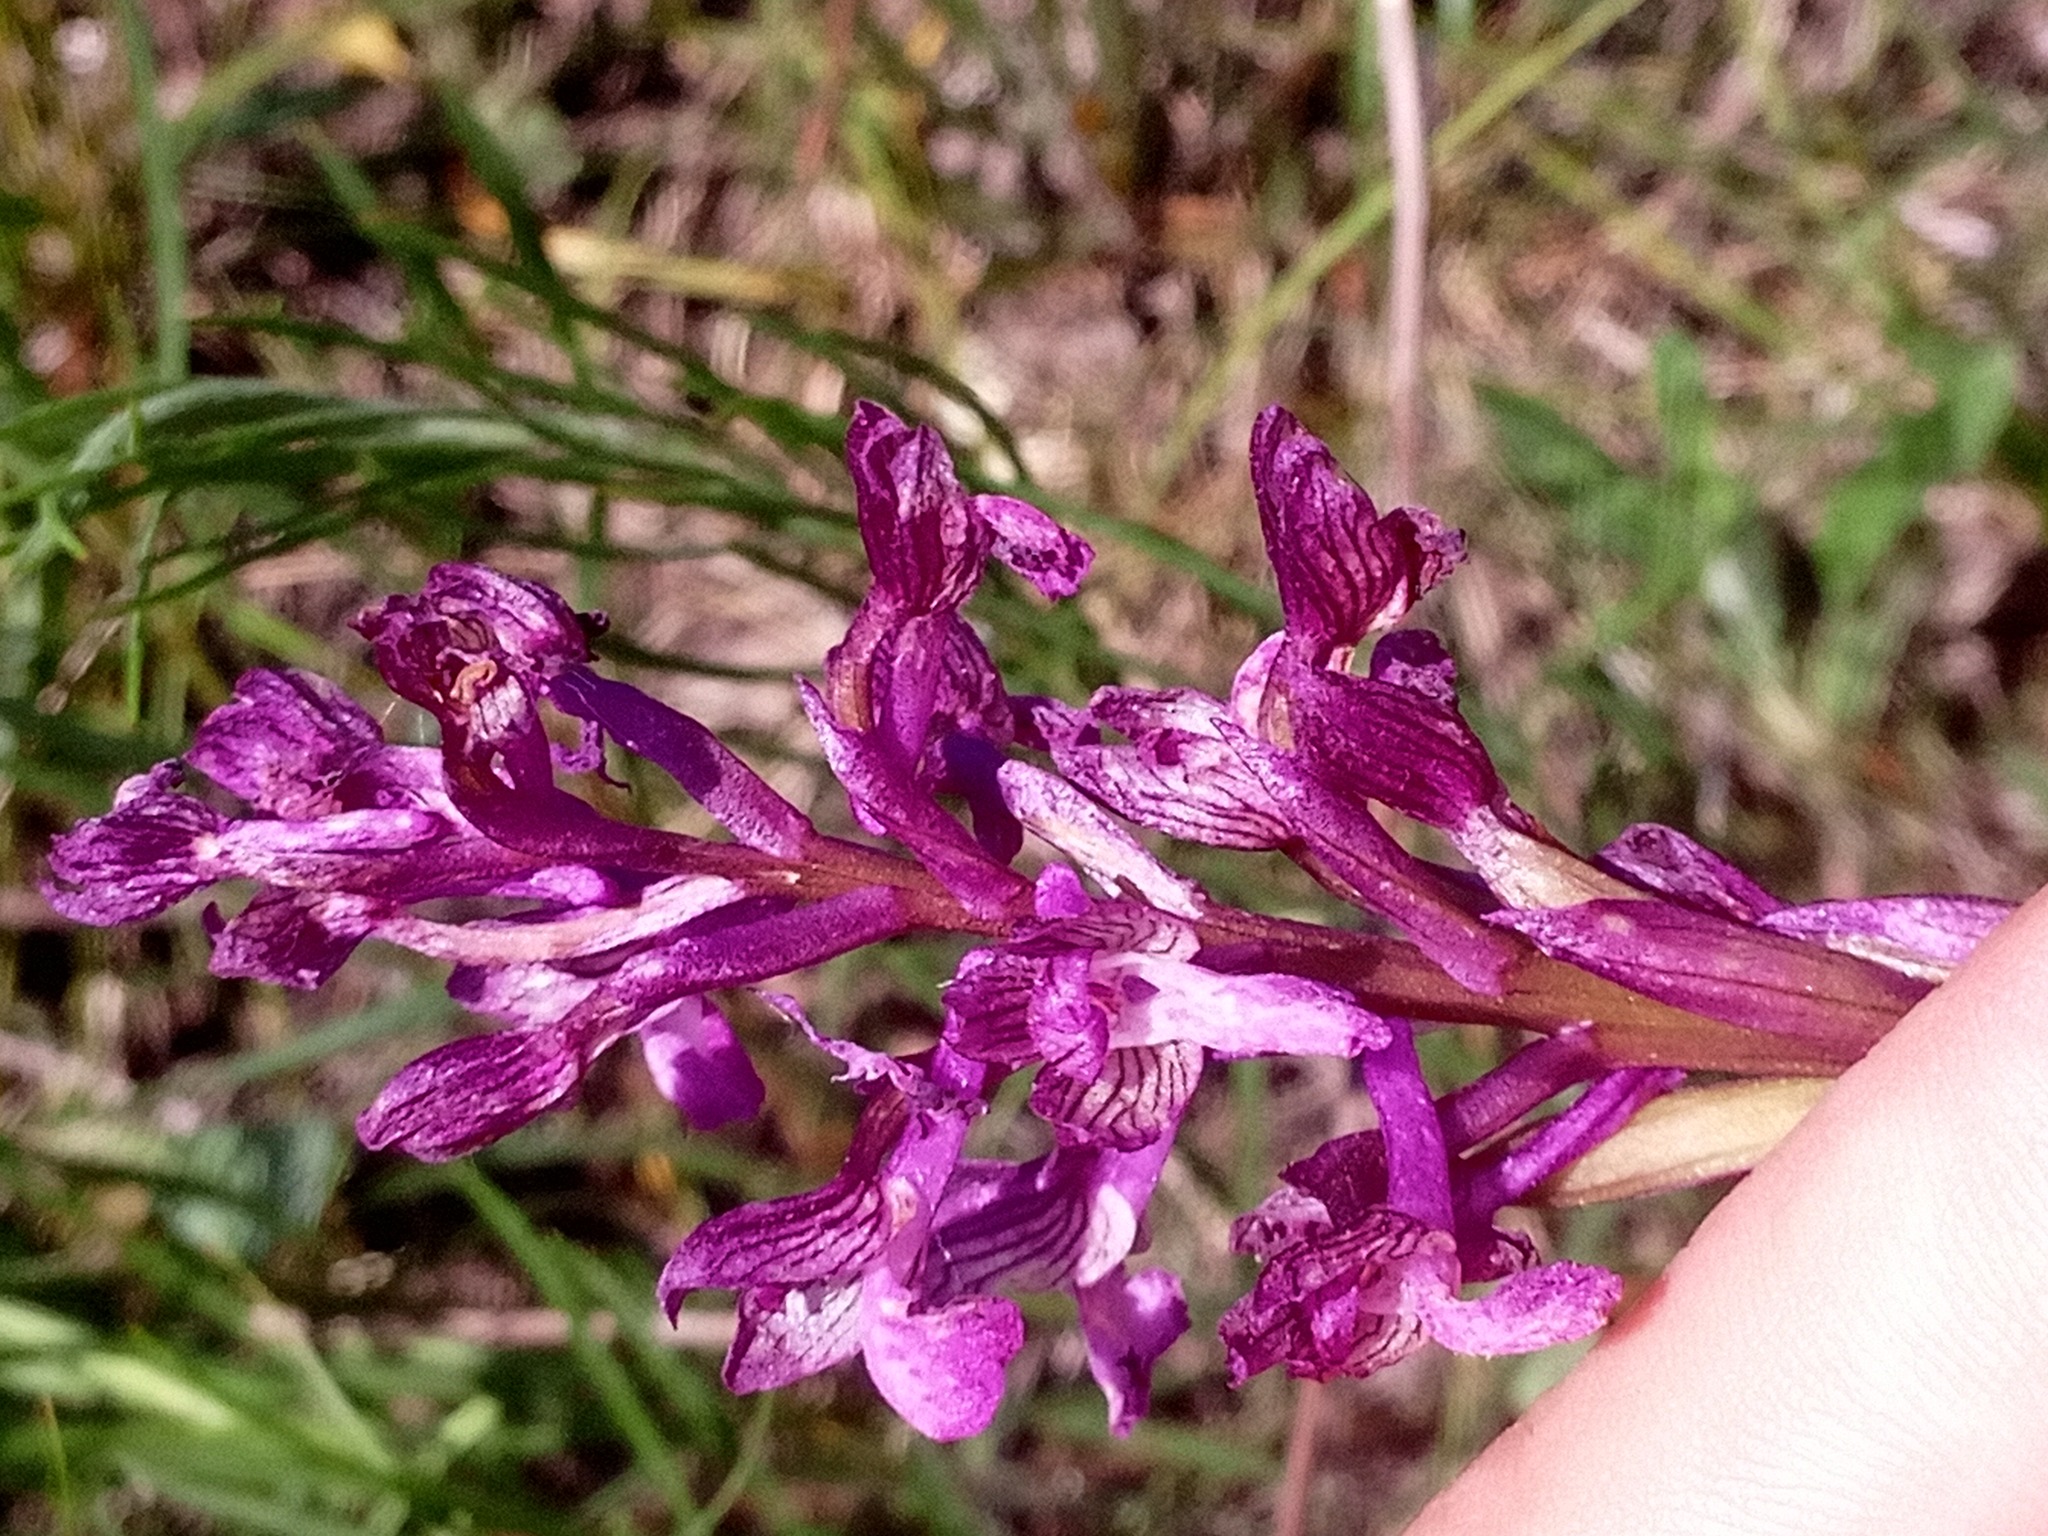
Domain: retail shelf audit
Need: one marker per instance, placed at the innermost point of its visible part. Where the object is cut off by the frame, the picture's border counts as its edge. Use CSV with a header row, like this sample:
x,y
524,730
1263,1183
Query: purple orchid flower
x,y
1656,915
1176,771
1109,998
350,834
569,999
342,825
830,1274
1368,1247
912,705
1344,569
1069,1219
471,1092
480,651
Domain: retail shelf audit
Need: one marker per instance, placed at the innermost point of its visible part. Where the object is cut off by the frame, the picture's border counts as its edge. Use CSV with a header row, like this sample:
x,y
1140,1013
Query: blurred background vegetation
x,y
1736,376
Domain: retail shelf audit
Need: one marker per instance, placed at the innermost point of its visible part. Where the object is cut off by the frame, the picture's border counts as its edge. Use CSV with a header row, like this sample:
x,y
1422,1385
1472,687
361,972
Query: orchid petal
x,y
1163,999
1289,1215
1023,1225
1550,1304
1057,893
1361,858
1744,976
1326,1307
1074,824
941,1370
137,860
830,1233
292,939
1137,1097
787,1333
1033,545
1128,1323
1663,859
156,846
748,942
1069,1031
1251,682
285,742
1921,936
1344,569
988,1006
713,775
1403,747
698,1064
925,545
471,1092
475,647
1176,774
876,779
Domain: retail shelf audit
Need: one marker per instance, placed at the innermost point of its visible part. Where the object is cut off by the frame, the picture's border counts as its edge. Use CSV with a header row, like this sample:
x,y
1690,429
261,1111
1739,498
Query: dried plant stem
x,y
1400,69
814,138
1291,1515
1408,147
1374,202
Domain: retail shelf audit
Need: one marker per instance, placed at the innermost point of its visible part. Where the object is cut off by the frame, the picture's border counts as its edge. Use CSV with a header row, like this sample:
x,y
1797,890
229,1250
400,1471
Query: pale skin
x,y
1856,1340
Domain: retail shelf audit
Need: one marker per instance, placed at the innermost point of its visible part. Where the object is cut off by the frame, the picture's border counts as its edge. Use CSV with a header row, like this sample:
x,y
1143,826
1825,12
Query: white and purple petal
x,y
1921,936
1160,999
1033,545
1664,860
285,742
788,1333
157,846
1056,811
1175,773
1137,1097
711,772
1534,1309
296,939
829,1234
1714,966
1128,1322
1069,1026
143,857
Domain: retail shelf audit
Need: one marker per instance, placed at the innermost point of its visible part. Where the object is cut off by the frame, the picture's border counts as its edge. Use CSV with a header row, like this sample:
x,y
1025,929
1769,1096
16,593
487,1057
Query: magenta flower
x,y
342,827
1368,1248
1067,1220
912,705
831,1274
1345,570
